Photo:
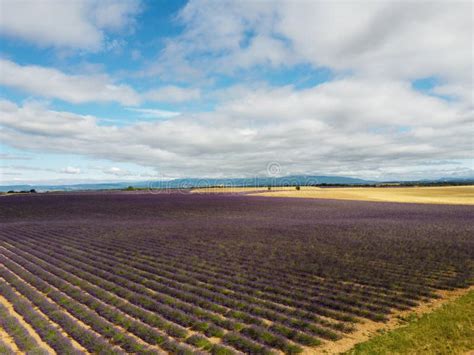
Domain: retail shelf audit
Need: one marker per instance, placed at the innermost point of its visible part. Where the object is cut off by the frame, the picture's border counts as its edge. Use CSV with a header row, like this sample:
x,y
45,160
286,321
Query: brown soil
x,y
28,327
75,344
8,340
84,325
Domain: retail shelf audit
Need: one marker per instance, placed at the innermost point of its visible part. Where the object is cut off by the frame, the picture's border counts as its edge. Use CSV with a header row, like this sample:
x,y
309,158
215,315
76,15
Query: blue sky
x,y
139,90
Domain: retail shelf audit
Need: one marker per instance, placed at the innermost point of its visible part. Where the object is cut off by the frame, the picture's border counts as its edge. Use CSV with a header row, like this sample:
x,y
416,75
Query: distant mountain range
x,y
302,180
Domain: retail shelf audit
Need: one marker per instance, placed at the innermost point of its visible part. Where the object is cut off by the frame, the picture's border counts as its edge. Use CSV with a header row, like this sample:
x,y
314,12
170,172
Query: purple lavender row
x,y
147,333
295,335
284,345
48,333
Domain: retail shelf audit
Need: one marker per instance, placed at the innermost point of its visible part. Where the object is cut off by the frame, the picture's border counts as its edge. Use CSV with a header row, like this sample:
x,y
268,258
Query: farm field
x,y
447,330
457,195
217,273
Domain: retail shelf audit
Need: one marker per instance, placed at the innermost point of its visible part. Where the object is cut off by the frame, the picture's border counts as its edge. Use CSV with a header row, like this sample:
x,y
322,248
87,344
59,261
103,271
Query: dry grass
x,y
457,195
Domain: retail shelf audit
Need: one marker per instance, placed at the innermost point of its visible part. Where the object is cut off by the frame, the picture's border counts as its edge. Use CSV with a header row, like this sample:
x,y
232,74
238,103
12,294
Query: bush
x,y
221,350
214,331
199,342
244,344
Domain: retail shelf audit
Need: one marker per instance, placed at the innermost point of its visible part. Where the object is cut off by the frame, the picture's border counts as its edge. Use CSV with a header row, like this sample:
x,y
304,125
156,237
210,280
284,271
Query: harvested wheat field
x,y
462,195
455,195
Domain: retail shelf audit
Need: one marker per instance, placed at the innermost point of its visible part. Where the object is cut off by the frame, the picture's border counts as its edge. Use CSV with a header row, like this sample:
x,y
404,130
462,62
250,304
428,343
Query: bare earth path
x,y
28,327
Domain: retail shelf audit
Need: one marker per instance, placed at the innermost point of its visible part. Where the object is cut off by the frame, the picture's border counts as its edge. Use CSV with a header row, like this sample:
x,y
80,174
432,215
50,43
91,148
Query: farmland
x,y
446,330
217,273
456,195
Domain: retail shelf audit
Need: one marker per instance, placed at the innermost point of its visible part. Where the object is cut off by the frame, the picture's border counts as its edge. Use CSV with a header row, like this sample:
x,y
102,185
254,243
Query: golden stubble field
x,y
456,195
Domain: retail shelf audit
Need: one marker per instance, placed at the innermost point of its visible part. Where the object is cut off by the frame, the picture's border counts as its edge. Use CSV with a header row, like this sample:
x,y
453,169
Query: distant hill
x,y
301,180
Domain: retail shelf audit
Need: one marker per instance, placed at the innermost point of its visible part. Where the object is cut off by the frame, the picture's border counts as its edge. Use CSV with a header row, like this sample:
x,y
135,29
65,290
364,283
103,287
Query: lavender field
x,y
195,273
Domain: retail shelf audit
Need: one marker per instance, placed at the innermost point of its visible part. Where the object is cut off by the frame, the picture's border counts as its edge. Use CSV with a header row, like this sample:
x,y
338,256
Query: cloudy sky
x,y
129,90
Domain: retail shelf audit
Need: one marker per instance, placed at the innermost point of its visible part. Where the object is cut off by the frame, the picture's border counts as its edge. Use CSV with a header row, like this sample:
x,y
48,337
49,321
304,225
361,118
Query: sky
x,y
118,90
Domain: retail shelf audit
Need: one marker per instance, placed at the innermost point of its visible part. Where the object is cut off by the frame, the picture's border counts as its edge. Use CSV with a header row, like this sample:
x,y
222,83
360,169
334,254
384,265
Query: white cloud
x,y
71,170
365,128
460,91
368,121
172,94
7,156
154,113
392,40
52,83
116,171
35,119
96,87
78,24
401,39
